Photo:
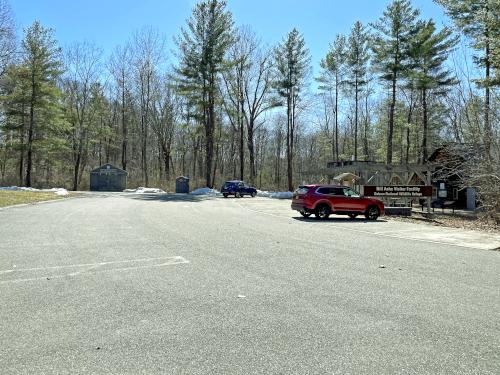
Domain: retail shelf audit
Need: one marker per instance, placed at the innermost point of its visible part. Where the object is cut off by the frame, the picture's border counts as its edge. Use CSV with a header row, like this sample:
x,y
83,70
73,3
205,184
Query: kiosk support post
x,y
429,183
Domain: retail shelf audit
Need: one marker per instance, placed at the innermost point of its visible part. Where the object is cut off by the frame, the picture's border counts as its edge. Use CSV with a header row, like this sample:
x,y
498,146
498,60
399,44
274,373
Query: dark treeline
x,y
226,105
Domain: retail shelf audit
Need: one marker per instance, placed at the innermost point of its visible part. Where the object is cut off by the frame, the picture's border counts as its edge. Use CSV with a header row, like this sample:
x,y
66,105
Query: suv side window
x,y
323,190
337,191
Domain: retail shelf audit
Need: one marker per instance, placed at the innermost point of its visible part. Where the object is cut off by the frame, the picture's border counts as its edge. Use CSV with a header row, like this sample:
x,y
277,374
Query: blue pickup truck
x,y
238,189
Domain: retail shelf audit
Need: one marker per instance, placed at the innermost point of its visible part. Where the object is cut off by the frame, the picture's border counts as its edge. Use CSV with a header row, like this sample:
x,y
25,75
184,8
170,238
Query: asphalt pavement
x,y
173,284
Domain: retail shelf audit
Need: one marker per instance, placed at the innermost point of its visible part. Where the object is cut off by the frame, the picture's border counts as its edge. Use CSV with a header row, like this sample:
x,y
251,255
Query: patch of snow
x,y
57,191
282,195
146,190
275,194
261,193
205,191
61,192
17,188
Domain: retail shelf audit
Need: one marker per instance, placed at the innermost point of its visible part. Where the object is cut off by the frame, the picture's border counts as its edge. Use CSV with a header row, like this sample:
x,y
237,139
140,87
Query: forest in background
x,y
223,105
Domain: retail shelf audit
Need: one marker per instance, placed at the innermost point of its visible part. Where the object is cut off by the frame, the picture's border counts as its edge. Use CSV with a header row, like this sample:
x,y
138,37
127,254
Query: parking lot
x,y
385,226
162,283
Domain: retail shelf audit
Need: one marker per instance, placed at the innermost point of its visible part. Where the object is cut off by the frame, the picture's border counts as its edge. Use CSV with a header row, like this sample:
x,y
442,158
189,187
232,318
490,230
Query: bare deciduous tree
x,y
83,66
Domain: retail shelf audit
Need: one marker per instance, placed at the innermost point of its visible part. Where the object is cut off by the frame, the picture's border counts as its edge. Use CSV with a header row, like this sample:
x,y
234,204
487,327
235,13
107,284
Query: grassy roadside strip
x,y
12,198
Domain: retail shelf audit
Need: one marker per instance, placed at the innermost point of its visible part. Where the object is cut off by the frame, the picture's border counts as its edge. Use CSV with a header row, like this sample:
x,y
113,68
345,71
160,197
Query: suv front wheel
x,y
372,213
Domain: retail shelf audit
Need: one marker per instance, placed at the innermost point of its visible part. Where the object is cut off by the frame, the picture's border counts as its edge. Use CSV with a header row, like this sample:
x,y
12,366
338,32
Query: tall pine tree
x,y
35,97
292,67
391,44
357,65
479,20
332,79
429,51
202,49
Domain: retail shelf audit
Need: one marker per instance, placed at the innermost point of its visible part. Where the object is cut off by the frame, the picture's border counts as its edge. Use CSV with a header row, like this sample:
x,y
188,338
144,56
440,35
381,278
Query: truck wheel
x,y
253,194
225,195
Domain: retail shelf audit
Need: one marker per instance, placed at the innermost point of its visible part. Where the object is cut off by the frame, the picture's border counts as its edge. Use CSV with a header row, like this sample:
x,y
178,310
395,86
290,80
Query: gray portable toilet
x,y
182,185
108,178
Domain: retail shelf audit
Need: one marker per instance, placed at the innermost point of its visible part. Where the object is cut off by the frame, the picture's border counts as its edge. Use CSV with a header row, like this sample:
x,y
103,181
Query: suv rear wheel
x,y
372,213
322,211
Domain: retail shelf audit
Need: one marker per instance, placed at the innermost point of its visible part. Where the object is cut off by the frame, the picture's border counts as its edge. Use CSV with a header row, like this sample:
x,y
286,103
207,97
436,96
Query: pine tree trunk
x,y
425,126
196,144
336,117
487,126
21,164
242,148
209,133
75,172
166,161
124,127
78,159
289,142
217,155
356,122
390,130
409,120
367,124
277,179
251,151
84,161
21,141
29,155
145,98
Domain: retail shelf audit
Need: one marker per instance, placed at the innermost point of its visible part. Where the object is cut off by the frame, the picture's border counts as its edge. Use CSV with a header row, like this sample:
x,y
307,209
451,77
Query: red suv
x,y
324,200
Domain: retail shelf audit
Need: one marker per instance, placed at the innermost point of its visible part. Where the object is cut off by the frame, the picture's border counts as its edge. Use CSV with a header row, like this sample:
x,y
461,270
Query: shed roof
x,y
109,166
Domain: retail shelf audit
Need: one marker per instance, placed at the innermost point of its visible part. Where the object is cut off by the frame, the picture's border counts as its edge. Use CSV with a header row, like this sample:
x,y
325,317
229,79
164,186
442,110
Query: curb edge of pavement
x,y
36,203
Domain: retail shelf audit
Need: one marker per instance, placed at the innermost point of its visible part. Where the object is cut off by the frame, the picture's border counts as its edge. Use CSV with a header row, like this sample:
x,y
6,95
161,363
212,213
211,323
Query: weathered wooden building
x,y
448,161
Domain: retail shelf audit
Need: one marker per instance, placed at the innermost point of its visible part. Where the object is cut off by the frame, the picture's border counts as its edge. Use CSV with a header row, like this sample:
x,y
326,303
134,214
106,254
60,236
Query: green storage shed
x,y
108,178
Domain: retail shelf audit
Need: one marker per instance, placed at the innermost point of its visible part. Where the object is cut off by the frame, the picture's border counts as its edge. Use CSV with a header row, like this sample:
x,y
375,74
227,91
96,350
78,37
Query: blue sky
x,y
112,22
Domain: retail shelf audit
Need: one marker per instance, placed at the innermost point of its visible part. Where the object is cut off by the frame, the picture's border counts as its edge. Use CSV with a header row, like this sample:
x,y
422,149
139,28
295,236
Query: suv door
x,y
246,189
353,201
338,199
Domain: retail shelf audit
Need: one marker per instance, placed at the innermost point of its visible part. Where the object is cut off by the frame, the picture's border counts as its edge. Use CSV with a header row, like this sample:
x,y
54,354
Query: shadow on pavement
x,y
170,197
312,219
